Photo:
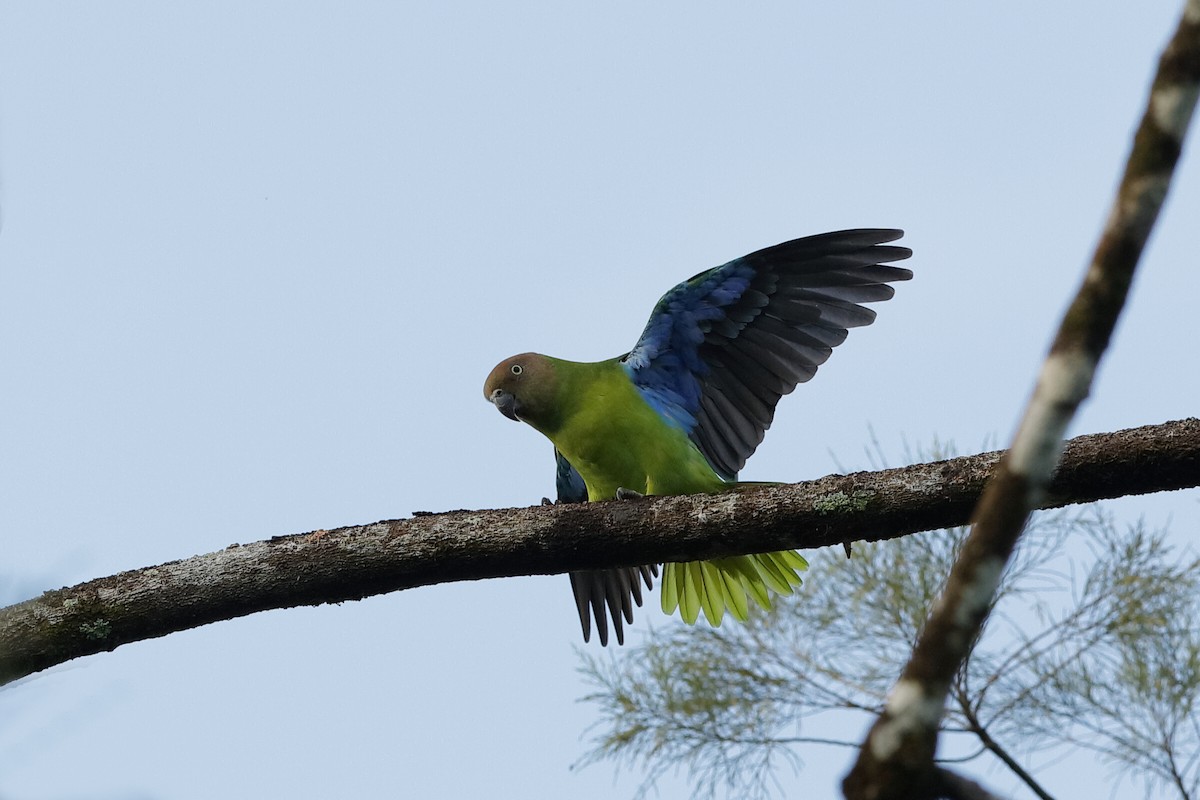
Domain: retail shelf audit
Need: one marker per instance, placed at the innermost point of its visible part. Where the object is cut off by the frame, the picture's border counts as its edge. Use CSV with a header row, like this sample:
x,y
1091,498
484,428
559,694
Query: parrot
x,y
683,410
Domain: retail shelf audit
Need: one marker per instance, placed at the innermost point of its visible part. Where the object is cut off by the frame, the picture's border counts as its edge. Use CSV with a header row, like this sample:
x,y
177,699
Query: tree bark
x,y
357,561
896,760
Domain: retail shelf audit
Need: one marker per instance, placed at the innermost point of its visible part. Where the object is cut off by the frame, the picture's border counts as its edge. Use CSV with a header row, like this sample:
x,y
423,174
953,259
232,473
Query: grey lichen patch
x,y
911,712
978,592
98,628
842,503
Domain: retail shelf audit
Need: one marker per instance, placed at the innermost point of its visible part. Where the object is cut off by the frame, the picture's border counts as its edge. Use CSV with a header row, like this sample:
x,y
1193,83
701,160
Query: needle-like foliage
x,y
1092,647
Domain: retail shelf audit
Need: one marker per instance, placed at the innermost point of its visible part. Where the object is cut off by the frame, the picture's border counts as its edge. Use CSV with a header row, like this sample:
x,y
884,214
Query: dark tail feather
x,y
600,593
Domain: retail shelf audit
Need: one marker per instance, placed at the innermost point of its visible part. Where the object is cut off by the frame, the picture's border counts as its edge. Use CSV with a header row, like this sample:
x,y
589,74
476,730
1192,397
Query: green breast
x,y
615,439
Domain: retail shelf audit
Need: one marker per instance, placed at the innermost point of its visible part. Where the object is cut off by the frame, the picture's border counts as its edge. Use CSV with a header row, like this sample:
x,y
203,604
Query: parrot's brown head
x,y
523,388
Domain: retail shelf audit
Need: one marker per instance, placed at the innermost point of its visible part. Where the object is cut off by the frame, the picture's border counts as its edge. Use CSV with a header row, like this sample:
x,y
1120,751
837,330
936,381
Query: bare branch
x,y
897,759
357,561
991,744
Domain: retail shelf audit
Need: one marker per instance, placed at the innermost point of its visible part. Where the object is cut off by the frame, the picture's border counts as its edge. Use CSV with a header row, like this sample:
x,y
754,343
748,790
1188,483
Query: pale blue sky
x,y
257,259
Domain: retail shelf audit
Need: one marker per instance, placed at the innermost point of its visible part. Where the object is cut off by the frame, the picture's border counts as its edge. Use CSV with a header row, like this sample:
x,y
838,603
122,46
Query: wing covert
x,y
721,348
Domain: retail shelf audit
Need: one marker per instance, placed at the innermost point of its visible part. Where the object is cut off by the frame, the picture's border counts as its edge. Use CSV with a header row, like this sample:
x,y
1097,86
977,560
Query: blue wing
x,y
600,592
568,481
722,348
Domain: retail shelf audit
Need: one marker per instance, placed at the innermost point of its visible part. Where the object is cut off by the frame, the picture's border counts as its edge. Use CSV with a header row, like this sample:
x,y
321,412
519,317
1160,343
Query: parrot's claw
x,y
628,494
546,501
847,546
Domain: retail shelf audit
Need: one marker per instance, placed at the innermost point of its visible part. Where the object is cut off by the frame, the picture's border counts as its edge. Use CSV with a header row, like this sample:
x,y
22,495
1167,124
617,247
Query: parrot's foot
x,y
628,494
546,501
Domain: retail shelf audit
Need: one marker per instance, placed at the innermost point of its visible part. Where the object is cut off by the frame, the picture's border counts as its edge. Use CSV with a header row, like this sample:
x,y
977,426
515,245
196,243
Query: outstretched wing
x,y
722,348
600,592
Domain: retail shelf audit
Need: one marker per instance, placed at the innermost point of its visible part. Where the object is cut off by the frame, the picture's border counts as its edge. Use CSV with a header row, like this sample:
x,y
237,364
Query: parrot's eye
x,y
517,369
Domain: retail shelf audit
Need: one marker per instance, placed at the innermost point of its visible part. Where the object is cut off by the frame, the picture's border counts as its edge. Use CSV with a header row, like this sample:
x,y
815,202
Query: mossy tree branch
x,y
357,561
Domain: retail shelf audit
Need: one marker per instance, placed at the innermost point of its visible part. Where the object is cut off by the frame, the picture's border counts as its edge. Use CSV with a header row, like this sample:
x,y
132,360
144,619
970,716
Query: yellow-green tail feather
x,y
725,584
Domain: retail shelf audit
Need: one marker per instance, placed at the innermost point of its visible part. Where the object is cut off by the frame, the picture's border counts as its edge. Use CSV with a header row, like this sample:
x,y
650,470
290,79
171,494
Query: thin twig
x,y
985,738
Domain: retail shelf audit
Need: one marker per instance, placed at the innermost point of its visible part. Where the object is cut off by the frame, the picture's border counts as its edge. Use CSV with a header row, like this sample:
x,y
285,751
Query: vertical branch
x,y
896,760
